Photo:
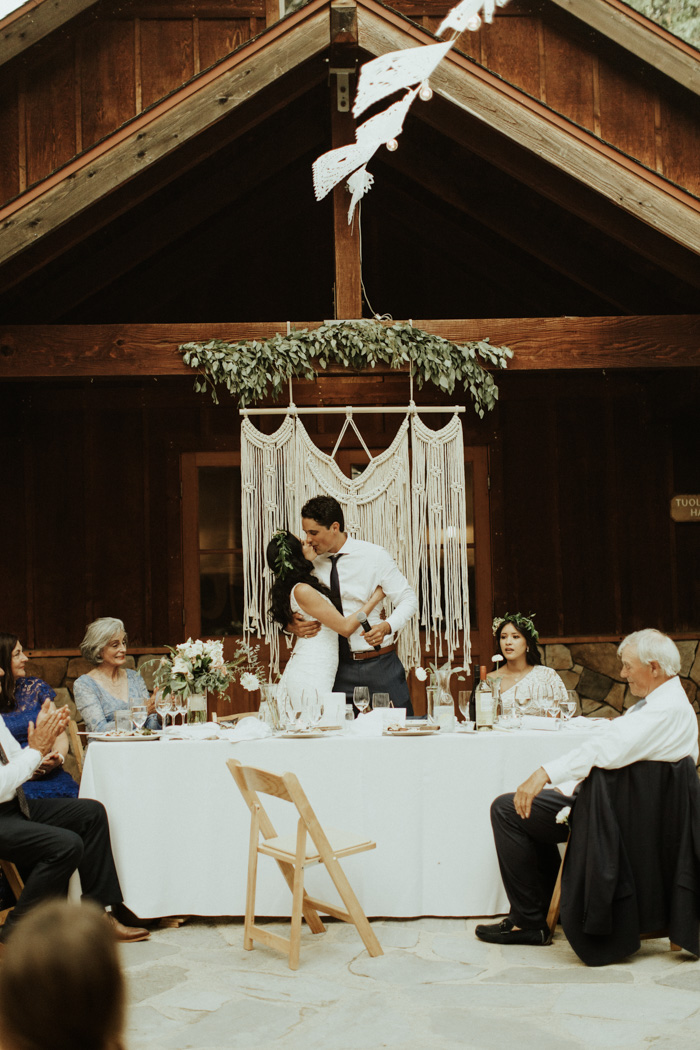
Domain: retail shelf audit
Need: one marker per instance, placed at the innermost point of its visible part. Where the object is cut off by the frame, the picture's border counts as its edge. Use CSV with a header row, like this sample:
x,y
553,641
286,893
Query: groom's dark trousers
x,y
381,674
63,834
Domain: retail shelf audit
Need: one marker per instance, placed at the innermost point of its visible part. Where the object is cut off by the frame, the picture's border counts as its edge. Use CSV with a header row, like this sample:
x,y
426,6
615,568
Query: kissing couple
x,y
328,592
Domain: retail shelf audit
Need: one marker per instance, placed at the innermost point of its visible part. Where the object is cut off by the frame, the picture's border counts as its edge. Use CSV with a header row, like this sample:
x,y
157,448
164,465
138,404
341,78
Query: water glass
x,y
139,714
380,700
122,721
431,695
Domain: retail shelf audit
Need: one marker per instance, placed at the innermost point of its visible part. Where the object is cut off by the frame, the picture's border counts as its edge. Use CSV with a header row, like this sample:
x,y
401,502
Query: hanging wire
x,y
376,316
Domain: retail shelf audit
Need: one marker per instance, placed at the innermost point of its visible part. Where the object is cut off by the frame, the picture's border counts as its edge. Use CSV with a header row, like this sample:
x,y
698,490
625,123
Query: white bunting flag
x,y
459,16
399,69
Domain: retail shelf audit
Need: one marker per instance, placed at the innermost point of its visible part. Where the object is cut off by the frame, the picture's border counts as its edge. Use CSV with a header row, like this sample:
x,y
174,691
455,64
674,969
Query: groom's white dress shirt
x,y
363,567
23,762
664,729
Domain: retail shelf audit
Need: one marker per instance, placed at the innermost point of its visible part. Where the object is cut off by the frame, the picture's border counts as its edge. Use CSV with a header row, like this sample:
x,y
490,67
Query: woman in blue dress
x,y
110,686
21,698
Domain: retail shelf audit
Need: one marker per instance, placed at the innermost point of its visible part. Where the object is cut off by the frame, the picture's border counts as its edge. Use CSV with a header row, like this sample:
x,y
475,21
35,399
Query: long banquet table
x,y
180,827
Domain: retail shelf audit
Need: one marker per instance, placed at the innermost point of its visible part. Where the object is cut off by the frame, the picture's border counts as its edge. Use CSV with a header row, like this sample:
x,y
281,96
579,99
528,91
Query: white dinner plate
x,y
121,738
301,735
411,732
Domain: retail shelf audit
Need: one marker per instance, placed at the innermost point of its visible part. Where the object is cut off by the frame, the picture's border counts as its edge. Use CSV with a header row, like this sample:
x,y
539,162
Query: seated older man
x,y
50,838
661,727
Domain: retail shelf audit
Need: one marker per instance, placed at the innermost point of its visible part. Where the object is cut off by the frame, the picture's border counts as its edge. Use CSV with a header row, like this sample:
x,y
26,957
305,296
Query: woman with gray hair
x,y
110,686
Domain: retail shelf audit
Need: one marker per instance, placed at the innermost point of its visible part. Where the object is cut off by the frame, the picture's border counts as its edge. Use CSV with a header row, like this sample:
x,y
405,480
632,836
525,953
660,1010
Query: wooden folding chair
x,y
14,881
76,748
293,854
237,717
555,908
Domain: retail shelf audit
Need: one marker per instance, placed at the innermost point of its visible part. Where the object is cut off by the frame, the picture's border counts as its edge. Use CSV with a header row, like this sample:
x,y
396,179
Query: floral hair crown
x,y
283,558
523,623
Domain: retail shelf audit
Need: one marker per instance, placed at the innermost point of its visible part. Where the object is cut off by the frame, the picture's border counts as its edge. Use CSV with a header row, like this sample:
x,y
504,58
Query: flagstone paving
x,y
436,986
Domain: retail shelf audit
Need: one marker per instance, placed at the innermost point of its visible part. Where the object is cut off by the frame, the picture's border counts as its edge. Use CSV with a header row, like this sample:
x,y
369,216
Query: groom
x,y
352,569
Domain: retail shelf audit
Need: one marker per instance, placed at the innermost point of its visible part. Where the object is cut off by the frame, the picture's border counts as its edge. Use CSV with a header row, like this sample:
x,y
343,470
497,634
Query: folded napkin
x,y
581,722
198,731
540,722
249,729
371,724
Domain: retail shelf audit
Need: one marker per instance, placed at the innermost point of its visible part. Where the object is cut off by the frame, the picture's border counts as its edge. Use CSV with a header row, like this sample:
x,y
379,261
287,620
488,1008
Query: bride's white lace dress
x,y
314,661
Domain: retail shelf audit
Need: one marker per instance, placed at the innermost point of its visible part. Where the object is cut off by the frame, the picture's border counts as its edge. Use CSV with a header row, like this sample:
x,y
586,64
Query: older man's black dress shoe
x,y
503,933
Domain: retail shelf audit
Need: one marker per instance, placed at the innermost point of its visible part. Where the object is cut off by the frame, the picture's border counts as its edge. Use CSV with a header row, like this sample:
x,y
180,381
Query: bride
x,y
314,661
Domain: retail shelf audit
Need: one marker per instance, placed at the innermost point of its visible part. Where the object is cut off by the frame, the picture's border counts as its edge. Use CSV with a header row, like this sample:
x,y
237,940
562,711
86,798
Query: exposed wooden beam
x,y
346,238
642,37
234,176
164,128
527,122
517,209
33,21
539,343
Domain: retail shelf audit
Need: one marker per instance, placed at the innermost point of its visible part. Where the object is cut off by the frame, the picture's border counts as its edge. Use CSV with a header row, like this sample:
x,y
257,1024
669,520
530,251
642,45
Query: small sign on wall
x,y
685,508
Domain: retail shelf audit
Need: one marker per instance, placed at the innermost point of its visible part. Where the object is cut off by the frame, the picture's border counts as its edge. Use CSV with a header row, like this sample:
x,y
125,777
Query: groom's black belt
x,y
371,653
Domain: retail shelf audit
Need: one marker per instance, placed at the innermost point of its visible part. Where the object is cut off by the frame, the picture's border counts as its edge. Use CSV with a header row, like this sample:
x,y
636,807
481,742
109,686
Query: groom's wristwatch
x,y
365,625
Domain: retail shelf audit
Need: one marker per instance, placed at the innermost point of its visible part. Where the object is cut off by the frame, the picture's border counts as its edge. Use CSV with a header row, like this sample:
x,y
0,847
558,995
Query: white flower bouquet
x,y
195,667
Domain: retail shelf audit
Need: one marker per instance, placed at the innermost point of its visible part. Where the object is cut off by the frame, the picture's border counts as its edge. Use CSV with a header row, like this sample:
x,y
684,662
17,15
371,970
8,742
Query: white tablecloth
x,y
180,827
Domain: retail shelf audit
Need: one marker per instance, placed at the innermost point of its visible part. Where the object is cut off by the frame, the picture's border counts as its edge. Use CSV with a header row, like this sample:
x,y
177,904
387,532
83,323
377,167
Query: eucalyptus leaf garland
x,y
255,369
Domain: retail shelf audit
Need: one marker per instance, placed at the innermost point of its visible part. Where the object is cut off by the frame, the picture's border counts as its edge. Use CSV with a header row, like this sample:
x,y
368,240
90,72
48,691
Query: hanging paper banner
x,y
398,69
460,16
359,183
331,168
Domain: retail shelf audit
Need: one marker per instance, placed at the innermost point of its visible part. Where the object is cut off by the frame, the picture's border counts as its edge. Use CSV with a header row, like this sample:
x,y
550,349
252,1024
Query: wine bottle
x,y
484,702
472,699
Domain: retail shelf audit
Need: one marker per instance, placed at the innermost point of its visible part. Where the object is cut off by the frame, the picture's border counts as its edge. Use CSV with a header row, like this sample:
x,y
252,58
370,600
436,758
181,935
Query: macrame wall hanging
x,y
417,513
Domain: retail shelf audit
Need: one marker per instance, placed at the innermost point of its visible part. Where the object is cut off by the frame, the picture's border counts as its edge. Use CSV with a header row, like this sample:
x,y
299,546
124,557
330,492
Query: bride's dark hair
x,y
285,557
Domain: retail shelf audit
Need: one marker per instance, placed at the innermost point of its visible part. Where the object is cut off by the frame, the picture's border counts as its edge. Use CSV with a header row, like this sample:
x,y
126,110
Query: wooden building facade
x,y
157,189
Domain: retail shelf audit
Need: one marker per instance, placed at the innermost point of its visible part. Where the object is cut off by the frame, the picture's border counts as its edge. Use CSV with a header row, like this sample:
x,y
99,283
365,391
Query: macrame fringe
x,y
421,521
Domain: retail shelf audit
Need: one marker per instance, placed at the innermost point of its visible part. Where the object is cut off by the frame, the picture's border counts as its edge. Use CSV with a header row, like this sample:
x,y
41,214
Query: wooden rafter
x,y
163,129
640,36
544,133
539,343
33,21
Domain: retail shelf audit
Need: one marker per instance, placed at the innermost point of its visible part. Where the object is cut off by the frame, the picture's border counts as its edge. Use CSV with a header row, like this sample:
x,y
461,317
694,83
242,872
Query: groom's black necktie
x,y
21,797
343,644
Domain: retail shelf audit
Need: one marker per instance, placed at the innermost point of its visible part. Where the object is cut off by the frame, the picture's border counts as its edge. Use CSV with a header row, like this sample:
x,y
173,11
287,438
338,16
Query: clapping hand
x,y
49,725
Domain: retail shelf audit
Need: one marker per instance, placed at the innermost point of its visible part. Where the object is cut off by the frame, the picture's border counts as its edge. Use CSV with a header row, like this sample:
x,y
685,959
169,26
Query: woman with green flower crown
x,y
314,661
517,637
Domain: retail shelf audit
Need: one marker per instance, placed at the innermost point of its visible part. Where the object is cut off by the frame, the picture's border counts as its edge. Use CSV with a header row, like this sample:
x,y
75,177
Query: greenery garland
x,y
252,370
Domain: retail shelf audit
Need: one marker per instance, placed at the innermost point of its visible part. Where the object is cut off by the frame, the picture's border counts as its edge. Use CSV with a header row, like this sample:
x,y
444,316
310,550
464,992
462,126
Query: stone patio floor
x,y
436,986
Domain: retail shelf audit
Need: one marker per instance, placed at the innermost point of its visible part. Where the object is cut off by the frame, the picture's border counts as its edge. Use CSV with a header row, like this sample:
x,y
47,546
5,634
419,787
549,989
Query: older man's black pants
x,y
62,836
527,854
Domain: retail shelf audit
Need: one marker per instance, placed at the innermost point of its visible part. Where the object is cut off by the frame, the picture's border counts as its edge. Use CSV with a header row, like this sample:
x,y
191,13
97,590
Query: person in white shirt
x,y
662,727
49,838
352,569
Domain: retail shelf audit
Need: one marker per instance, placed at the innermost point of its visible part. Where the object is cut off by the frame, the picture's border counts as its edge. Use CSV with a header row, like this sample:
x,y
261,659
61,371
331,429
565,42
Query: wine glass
x,y
162,707
139,714
179,707
463,699
570,705
522,699
360,698
547,703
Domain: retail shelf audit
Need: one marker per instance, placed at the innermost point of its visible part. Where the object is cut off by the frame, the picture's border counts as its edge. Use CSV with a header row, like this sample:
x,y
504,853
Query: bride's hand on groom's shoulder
x,y
303,628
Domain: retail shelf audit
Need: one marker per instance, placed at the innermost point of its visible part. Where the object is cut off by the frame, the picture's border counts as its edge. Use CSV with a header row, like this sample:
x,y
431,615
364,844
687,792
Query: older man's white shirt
x,y
362,568
665,729
23,763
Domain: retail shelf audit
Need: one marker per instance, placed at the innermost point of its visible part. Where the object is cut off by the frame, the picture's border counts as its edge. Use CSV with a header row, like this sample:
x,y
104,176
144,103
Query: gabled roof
x,y
33,21
639,35
293,47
